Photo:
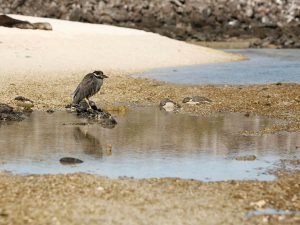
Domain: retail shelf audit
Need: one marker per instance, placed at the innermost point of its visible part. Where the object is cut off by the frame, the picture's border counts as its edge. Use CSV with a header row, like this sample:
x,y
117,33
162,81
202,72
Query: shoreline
x,y
89,199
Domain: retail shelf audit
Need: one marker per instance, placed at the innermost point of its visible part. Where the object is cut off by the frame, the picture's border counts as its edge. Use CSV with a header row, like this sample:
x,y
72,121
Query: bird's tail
x,y
75,96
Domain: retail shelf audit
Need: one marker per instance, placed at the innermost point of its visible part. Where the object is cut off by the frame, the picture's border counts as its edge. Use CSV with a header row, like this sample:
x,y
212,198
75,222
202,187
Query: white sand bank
x,y
72,47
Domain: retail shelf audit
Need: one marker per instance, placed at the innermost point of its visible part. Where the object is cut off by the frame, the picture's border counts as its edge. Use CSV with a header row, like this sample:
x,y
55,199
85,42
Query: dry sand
x,y
74,47
46,66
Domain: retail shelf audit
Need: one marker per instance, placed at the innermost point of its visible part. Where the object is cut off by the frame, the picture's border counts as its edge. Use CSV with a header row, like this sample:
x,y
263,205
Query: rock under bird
x,y
89,86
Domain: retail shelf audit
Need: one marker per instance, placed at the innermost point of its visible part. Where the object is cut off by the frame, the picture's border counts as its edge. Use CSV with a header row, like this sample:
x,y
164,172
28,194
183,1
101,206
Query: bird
x,y
89,86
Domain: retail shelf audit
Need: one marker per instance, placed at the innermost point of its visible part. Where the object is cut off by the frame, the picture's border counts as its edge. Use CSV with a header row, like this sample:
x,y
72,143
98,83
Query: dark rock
x,y
196,100
94,114
4,108
70,160
23,99
7,21
50,111
8,114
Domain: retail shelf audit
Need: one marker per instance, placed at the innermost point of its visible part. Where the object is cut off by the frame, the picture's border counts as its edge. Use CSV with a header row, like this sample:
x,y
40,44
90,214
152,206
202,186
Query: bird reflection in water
x,y
90,144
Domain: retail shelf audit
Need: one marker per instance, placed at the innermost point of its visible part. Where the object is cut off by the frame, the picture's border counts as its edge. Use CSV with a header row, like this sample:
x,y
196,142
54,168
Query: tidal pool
x,y
263,66
146,142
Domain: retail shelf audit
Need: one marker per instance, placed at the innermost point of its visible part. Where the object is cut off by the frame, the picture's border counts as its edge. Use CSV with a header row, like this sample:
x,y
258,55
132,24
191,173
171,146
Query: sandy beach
x,y
46,66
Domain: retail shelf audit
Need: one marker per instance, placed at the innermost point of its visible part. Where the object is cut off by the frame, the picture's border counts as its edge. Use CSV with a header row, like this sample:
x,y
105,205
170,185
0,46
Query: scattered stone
x,y
70,160
169,105
196,100
50,111
42,26
246,158
25,103
258,204
75,124
8,114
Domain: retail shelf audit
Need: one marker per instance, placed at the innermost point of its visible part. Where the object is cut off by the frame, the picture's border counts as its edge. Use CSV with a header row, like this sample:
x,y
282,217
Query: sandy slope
x,y
74,46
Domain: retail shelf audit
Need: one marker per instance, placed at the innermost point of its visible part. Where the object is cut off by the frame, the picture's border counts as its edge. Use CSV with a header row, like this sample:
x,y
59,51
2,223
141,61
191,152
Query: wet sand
x,y
87,199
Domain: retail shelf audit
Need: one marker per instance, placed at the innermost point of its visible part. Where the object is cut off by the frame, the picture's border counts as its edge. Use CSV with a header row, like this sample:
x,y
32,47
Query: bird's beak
x,y
104,76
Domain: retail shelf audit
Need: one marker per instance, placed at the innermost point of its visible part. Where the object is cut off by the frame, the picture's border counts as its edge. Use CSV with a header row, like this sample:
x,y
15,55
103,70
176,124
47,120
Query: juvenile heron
x,y
88,87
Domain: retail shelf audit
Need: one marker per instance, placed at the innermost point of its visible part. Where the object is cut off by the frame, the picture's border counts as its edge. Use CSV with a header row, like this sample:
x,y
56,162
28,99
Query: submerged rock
x,y
246,158
70,160
7,113
93,113
169,105
196,100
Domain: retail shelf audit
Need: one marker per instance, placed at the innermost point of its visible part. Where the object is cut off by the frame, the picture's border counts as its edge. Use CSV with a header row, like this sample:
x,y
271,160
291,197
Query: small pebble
x,y
70,160
246,158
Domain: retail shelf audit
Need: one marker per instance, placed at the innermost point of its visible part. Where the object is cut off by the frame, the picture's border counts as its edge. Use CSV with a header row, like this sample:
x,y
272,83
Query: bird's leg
x,y
88,102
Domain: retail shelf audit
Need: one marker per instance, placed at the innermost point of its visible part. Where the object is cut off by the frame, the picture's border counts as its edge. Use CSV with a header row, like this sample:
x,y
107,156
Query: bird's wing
x,y
82,90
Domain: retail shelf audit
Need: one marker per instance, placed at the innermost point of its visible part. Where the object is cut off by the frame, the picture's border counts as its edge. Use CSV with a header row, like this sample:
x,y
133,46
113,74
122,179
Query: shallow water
x,y
271,211
146,143
263,66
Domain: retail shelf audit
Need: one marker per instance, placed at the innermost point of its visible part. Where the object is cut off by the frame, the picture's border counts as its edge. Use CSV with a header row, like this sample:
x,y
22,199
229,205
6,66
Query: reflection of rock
x,y
107,150
8,114
169,105
70,160
7,21
94,113
246,158
24,103
196,100
50,111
